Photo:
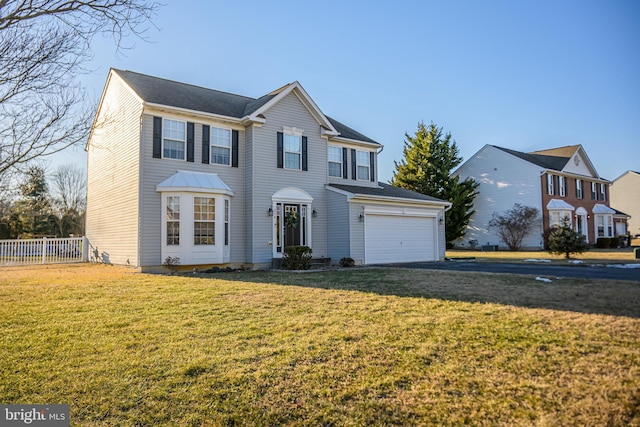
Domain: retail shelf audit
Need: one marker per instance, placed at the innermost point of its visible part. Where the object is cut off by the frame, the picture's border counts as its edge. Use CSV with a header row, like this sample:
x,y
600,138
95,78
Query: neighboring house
x,y
559,182
213,178
625,194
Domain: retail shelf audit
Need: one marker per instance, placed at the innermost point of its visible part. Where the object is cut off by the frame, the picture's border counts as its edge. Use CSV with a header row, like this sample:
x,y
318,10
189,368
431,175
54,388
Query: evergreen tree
x,y
429,158
564,240
34,207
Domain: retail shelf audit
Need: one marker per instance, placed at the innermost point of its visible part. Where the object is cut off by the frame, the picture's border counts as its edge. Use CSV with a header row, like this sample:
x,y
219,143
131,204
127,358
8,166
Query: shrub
x,y
347,262
296,258
172,263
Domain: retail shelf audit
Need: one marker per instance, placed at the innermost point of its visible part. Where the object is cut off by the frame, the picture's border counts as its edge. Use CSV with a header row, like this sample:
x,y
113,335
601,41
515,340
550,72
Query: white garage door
x,y
391,238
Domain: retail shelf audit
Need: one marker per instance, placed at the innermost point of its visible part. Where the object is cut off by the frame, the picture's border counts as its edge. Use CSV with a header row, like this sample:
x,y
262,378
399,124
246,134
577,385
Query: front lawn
x,y
338,348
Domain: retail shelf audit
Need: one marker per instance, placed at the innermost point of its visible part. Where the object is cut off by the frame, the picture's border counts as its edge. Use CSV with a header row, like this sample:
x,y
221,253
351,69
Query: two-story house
x,y
559,182
214,178
625,195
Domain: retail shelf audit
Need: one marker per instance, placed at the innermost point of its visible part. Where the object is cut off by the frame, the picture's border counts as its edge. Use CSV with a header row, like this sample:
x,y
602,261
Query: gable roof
x,y
555,159
156,90
542,160
387,191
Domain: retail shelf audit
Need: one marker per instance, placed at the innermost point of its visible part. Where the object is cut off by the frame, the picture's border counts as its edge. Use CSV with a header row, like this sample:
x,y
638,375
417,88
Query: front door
x,y
581,226
292,225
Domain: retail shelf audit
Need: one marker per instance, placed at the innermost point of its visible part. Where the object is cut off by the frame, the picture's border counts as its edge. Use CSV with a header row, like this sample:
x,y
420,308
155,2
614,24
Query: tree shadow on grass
x,y
608,297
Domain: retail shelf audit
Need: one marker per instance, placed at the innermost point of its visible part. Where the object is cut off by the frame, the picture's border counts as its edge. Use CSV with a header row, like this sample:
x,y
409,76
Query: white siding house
x,y
560,182
213,178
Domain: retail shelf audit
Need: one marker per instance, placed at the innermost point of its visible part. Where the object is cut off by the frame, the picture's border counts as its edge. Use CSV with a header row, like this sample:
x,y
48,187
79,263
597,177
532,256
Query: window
x,y
362,161
578,188
173,220
594,191
335,161
174,137
603,192
226,222
292,151
600,225
562,186
549,184
556,217
220,146
204,215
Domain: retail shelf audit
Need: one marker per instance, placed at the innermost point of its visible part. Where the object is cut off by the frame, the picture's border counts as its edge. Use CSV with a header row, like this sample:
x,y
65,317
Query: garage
x,y
399,238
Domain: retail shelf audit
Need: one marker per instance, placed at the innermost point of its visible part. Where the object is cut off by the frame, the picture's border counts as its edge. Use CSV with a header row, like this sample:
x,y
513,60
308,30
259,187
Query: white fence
x,y
43,251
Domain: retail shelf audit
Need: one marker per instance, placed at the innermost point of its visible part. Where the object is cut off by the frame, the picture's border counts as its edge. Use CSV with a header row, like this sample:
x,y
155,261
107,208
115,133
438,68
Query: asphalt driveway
x,y
583,271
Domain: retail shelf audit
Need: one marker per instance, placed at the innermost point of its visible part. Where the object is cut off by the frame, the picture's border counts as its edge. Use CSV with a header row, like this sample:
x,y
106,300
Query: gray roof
x,y
160,91
548,162
386,190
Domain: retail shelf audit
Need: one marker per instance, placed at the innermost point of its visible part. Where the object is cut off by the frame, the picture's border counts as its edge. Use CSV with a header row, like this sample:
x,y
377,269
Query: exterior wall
x,y
581,168
585,202
338,226
249,182
113,173
157,170
504,180
625,196
268,178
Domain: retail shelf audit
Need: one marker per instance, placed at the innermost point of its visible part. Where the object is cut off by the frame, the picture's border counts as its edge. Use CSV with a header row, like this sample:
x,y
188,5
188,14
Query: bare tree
x,y
44,45
68,192
515,224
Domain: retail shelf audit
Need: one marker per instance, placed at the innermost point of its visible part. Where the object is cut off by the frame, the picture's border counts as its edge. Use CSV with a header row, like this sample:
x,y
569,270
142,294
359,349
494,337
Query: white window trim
x,y
285,151
330,161
579,189
172,220
206,221
603,193
368,166
212,145
184,158
562,188
550,184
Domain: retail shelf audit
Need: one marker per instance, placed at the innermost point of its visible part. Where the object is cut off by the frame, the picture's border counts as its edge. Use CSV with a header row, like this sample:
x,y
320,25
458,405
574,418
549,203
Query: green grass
x,y
353,348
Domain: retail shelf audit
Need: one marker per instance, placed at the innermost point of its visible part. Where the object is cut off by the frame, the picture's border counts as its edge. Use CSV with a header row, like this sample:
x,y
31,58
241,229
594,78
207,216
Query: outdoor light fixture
x,y
441,220
270,211
361,217
314,213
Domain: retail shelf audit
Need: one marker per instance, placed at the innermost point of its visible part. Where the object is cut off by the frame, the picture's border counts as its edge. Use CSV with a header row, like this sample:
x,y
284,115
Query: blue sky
x,y
526,75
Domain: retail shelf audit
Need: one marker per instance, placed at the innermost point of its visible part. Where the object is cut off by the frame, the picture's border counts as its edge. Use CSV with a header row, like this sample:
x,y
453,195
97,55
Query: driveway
x,y
582,271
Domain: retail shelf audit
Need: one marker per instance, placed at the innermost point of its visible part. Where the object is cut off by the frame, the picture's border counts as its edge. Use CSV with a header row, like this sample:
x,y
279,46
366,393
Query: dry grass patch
x,y
597,256
358,347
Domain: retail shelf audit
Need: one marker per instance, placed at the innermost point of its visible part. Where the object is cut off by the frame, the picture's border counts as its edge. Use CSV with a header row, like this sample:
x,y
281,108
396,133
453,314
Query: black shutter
x,y
345,164
234,148
280,151
157,137
556,187
304,154
372,163
205,143
190,142
353,165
